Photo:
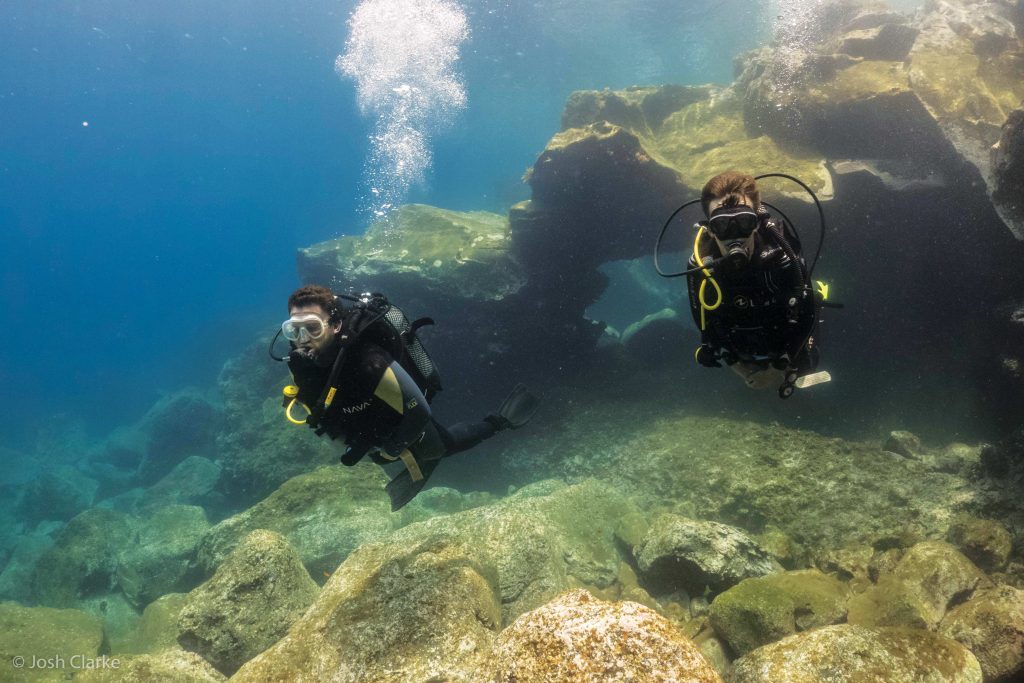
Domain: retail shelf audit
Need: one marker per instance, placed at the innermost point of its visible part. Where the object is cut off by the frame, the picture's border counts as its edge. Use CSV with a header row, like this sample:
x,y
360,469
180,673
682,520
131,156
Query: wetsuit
x,y
379,406
768,310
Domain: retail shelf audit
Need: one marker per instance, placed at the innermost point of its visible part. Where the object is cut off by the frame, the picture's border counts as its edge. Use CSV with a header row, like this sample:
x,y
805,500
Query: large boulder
x,y
16,577
691,555
161,558
157,629
991,625
176,427
418,611
853,654
83,559
249,603
55,635
985,542
760,611
191,482
1008,168
173,664
940,575
324,514
579,638
58,493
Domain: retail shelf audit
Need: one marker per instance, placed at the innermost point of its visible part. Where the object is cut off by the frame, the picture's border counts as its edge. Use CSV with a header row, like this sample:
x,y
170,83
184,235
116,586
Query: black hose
x,y
821,213
657,245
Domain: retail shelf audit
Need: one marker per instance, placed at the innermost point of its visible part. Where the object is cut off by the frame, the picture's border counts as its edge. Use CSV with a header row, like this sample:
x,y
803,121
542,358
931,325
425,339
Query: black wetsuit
x,y
768,310
379,406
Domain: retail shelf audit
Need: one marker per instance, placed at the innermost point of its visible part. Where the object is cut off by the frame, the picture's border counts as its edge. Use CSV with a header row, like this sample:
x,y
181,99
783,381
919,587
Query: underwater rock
x,y
191,482
1008,168
419,254
249,603
846,563
680,553
157,629
426,610
1005,460
440,500
903,443
890,41
45,633
890,602
58,493
174,664
853,653
657,339
579,638
939,575
120,618
178,426
83,559
16,577
985,542
324,515
991,625
161,559
756,612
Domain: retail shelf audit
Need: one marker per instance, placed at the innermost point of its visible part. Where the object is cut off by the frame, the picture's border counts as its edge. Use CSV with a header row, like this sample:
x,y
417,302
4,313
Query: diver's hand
x,y
707,357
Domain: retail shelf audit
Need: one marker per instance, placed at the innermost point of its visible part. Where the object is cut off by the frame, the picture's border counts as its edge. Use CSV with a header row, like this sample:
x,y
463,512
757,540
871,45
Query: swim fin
x,y
403,488
518,407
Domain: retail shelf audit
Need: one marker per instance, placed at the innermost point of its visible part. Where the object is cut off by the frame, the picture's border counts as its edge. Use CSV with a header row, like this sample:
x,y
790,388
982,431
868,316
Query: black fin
x,y
403,489
518,407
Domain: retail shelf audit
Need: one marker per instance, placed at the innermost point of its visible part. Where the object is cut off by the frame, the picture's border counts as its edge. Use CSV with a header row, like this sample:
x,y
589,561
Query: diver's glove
x,y
782,362
707,357
355,452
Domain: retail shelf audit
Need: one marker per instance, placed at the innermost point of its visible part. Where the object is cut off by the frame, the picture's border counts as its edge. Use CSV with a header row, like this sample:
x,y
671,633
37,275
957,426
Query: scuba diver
x,y
750,290
363,376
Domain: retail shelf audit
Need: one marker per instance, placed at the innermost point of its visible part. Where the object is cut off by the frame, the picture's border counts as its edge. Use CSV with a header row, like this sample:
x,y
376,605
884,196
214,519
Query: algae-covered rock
x,y
985,542
1008,168
161,558
940,576
890,602
418,611
48,634
16,577
756,612
173,664
579,638
991,625
58,493
248,604
687,554
178,426
853,654
157,629
191,482
324,515
83,559
847,563
419,249
903,443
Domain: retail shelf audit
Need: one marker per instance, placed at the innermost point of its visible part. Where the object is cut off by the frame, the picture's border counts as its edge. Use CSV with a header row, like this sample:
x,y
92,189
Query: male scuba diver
x,y
750,290
358,390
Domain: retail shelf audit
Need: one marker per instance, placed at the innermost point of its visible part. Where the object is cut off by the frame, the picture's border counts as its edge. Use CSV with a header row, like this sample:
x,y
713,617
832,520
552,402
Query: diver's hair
x,y
733,186
316,295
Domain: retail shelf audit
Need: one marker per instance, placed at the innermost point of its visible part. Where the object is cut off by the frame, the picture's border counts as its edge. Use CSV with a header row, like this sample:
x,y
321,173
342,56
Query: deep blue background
x,y
143,250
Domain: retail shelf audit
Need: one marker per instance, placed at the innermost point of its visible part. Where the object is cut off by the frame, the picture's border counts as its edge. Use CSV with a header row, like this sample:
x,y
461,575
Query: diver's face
x,y
731,244
314,343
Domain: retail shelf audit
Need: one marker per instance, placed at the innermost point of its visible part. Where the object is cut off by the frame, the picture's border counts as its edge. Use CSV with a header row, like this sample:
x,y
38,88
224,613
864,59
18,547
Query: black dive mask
x,y
729,223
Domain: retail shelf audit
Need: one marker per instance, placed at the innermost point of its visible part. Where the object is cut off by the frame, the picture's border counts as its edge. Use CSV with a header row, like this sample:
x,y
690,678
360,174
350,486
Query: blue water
x,y
143,249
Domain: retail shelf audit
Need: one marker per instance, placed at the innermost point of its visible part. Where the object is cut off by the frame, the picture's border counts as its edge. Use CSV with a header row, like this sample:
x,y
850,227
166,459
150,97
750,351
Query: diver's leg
x,y
464,435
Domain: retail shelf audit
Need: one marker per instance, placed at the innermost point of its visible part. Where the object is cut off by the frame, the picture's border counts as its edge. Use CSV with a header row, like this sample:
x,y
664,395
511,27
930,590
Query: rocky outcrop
x,y
47,634
1008,169
59,494
325,515
579,638
760,611
402,612
985,542
157,629
84,558
161,558
170,665
991,625
249,603
892,655
694,555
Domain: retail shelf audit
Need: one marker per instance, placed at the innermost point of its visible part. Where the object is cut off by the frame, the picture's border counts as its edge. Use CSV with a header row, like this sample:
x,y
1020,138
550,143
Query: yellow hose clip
x,y
288,401
704,306
822,289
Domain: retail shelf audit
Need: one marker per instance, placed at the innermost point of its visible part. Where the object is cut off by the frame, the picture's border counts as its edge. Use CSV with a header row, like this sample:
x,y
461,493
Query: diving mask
x,y
303,328
733,222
